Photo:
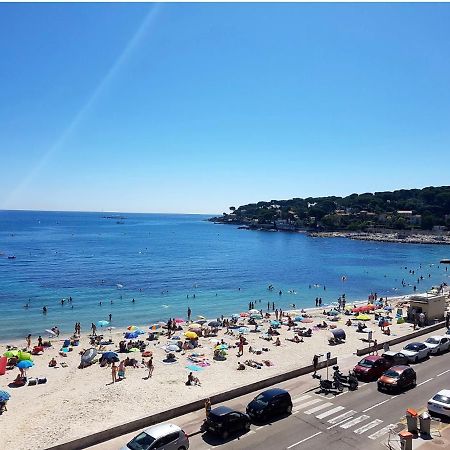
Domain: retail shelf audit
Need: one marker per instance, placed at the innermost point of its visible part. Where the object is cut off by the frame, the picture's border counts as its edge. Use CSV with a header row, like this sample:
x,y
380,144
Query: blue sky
x,y
197,107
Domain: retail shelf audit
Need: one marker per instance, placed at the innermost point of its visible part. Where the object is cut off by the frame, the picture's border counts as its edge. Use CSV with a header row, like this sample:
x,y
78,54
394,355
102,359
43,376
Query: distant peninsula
x,y
405,215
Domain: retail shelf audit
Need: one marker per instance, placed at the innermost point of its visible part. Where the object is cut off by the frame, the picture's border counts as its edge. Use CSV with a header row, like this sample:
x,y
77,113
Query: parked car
x,y
164,436
440,403
416,351
270,403
225,421
371,367
395,358
397,378
447,333
438,344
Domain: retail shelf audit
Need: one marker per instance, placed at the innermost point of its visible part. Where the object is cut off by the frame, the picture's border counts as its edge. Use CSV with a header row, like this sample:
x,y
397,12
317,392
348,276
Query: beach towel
x,y
194,368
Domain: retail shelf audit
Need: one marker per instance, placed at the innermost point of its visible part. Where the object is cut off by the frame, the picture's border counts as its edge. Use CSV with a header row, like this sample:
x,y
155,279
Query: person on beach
x,y
121,370
114,372
150,367
192,381
189,312
241,346
28,341
40,341
94,329
110,317
44,310
207,407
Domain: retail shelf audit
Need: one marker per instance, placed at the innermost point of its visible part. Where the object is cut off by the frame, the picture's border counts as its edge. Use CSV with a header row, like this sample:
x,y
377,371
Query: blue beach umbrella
x,y
274,323
298,319
109,355
131,335
4,396
256,316
333,313
25,364
243,330
388,308
235,316
102,323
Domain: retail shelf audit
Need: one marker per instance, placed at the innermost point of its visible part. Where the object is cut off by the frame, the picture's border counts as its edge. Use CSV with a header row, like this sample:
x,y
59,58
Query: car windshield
x,y
442,398
391,374
412,347
432,341
261,399
142,441
365,363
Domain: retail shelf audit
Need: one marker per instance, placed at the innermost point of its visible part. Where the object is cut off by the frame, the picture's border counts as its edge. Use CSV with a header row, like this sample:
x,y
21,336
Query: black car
x,y
395,359
224,421
270,403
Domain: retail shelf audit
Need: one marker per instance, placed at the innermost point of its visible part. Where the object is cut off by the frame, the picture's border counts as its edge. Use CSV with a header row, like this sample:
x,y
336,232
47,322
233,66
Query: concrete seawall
x,y
119,430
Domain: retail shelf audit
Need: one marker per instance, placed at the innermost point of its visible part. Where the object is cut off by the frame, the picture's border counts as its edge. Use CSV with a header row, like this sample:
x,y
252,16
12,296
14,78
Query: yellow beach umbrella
x,y
191,335
362,317
194,326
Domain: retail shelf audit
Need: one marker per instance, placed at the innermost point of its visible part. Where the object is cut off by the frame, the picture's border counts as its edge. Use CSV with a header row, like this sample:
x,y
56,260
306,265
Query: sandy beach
x,y
75,402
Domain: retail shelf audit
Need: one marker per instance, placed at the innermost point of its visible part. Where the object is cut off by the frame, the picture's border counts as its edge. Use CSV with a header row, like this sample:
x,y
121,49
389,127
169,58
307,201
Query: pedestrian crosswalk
x,y
340,416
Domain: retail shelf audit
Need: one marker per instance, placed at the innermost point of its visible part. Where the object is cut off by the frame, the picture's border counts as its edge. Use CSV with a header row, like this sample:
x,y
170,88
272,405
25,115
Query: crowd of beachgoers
x,y
65,385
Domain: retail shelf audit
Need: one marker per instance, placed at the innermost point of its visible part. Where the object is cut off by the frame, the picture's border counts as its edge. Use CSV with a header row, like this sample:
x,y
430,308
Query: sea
x,y
169,262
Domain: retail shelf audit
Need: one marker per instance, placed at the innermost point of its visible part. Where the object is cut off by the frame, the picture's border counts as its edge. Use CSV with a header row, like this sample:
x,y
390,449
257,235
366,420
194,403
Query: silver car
x,y
416,351
164,436
438,344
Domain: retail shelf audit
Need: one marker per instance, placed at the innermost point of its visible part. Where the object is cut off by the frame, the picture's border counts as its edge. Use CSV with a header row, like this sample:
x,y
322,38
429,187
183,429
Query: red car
x,y
371,367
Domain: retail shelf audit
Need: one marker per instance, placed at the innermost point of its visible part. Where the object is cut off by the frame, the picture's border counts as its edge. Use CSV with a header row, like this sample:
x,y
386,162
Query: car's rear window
x,y
442,398
262,399
141,442
413,347
433,341
391,374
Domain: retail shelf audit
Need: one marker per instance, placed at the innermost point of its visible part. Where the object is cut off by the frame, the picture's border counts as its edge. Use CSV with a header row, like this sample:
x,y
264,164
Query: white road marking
x,y
423,382
304,440
330,412
299,399
368,426
381,432
341,417
318,408
306,404
442,373
380,403
354,421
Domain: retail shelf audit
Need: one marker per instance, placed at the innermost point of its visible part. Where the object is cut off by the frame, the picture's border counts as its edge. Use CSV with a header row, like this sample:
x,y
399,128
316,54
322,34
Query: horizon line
x,y
106,212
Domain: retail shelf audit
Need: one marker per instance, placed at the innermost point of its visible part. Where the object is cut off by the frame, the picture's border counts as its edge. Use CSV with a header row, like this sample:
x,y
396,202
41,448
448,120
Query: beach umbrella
x,y
24,356
64,350
388,308
333,313
191,335
221,347
179,320
26,364
172,348
132,335
256,316
155,326
134,350
89,355
243,330
362,317
253,311
4,396
201,321
338,334
132,328
244,314
214,324
50,332
293,313
11,353
201,317
194,326
235,316
274,323
102,323
298,319
110,356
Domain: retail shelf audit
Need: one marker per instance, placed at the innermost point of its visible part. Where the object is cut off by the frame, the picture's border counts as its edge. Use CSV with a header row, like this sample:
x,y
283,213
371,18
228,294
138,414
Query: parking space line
x,y
318,408
304,440
423,382
330,412
378,404
442,373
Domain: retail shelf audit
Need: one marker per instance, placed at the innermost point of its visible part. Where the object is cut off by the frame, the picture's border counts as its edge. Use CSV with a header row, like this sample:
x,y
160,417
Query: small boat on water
x,y
11,257
445,261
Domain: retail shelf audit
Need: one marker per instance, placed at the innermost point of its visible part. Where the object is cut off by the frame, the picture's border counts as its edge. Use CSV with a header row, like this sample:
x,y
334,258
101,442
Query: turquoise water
x,y
160,259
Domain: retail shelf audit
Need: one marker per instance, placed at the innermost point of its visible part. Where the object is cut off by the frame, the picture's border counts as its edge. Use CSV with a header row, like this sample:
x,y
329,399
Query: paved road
x,y
360,419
